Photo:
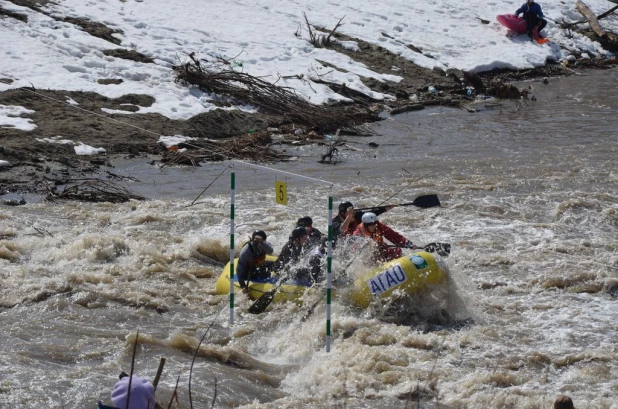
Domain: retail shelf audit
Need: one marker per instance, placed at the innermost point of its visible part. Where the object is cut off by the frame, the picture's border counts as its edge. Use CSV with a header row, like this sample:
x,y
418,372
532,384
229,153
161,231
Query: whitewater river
x,y
529,202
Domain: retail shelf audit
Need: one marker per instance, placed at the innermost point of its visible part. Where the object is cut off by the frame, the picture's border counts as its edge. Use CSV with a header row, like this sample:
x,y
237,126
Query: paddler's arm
x,y
349,215
241,269
519,11
378,210
396,238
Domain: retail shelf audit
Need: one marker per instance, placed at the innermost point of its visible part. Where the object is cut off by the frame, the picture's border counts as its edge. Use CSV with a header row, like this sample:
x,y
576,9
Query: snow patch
x,y
10,117
83,149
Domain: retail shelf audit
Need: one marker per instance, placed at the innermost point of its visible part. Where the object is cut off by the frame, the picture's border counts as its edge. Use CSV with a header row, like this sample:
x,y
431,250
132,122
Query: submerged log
x,y
94,190
407,108
592,19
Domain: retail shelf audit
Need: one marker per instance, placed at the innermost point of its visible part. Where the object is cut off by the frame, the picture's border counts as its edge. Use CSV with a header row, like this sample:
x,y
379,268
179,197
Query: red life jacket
x,y
383,253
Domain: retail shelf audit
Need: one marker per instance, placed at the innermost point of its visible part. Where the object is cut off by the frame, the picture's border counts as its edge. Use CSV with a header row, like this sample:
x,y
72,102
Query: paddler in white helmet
x,y
378,232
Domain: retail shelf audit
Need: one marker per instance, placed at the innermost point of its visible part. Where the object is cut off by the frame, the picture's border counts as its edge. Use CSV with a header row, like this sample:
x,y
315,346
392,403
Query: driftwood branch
x,y
155,383
331,156
321,40
592,19
311,35
174,394
607,13
342,89
599,17
333,30
43,231
132,369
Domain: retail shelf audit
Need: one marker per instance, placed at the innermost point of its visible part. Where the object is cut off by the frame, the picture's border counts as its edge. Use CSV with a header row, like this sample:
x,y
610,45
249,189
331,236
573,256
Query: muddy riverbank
x,y
34,163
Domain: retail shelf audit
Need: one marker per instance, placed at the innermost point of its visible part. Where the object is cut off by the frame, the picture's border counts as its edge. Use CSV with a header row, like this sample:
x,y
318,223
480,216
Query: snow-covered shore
x,y
265,38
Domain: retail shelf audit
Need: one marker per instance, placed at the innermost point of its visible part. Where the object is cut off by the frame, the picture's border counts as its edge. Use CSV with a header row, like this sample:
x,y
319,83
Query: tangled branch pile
x,y
94,190
253,146
244,88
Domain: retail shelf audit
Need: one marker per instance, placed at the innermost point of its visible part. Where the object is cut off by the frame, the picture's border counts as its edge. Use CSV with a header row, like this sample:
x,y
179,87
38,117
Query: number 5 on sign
x,y
281,193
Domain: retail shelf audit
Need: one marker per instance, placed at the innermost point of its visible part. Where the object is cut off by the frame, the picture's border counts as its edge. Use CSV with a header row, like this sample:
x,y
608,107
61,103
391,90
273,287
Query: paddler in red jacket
x,y
372,228
348,219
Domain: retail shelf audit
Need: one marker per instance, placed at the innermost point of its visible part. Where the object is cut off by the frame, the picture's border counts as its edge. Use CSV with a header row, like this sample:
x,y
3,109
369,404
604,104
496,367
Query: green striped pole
x,y
329,270
232,197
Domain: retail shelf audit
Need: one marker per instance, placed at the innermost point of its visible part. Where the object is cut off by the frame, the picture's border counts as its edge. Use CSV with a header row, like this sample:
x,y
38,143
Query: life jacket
x,y
383,253
258,257
375,236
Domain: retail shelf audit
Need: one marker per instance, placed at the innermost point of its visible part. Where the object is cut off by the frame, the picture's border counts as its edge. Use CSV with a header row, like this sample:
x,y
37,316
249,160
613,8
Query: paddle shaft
x,y
425,201
384,207
345,270
265,299
442,249
407,184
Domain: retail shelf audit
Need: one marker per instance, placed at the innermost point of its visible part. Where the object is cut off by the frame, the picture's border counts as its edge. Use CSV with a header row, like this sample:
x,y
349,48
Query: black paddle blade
x,y
426,201
260,305
443,249
310,310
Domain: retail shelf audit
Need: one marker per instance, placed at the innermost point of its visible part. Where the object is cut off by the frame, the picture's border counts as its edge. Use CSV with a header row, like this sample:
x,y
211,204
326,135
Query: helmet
x,y
259,233
344,206
369,217
304,221
299,232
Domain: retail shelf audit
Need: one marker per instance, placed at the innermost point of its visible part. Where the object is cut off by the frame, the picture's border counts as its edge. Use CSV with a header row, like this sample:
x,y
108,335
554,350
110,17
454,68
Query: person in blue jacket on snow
x,y
533,16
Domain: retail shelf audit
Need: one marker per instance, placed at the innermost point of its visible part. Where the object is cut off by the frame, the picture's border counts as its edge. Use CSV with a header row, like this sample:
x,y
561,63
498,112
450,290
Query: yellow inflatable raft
x,y
290,291
411,273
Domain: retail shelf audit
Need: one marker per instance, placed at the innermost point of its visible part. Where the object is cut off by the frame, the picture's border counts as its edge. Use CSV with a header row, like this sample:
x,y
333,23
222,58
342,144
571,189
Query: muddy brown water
x,y
530,205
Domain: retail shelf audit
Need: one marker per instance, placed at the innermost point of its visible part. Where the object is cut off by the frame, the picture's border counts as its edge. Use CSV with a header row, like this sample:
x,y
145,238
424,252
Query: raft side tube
x,y
411,273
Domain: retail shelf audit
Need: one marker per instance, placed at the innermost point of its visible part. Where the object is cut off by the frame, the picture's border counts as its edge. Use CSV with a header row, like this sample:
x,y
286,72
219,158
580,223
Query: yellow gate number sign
x,y
281,193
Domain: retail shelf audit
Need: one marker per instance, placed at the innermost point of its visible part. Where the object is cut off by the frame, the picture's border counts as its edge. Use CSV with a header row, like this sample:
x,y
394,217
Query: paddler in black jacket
x,y
291,252
314,236
252,256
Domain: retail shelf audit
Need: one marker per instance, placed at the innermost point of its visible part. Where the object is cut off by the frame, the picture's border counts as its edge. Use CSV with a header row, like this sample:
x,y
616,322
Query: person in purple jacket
x,y
533,15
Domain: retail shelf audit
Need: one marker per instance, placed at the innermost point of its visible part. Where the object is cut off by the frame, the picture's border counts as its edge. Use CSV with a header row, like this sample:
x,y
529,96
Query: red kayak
x,y
513,22
519,25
